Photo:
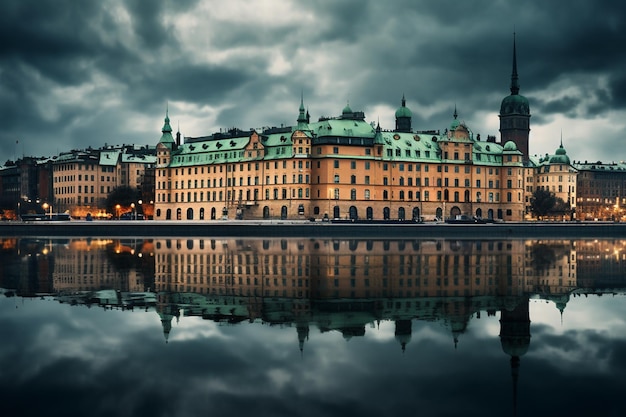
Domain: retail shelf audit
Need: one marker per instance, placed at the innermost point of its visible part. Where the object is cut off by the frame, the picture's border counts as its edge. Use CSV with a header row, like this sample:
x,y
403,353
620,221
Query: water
x,y
179,327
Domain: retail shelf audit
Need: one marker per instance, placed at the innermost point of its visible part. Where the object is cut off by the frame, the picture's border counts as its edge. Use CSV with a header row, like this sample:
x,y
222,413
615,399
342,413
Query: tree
x,y
542,203
561,208
124,196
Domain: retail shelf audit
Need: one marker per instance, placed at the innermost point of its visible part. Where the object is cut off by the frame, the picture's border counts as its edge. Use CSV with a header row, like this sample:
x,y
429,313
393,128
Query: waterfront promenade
x,y
307,229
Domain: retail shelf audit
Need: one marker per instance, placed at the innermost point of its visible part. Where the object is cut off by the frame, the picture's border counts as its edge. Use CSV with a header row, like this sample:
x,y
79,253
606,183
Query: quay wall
x,y
304,229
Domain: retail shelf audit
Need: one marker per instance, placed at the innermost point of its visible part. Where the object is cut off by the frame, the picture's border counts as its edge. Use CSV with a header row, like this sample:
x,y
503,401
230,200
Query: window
x,y
336,178
352,164
353,194
336,163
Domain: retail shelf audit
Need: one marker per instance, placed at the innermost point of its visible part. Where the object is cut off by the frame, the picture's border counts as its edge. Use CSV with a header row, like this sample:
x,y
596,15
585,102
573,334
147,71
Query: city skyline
x,y
80,75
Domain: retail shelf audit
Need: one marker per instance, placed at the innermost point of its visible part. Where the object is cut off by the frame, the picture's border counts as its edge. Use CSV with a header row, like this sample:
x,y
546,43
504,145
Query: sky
x,y
65,360
75,74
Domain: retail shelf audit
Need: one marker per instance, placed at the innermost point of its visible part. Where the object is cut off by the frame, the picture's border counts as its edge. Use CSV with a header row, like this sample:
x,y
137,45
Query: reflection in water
x,y
332,285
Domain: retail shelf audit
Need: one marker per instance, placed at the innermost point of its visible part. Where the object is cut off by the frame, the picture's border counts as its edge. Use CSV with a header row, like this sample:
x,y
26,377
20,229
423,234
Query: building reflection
x,y
334,285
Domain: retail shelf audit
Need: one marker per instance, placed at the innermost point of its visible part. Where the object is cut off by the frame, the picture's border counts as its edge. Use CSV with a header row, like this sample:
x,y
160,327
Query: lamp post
x,y
117,211
140,202
132,211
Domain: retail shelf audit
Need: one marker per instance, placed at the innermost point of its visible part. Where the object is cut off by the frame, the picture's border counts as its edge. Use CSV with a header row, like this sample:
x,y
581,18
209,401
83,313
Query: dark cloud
x,y
124,59
74,360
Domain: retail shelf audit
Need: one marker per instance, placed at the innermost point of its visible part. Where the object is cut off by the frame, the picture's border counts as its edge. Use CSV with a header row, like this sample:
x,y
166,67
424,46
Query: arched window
x,y
416,214
401,195
202,213
189,213
401,213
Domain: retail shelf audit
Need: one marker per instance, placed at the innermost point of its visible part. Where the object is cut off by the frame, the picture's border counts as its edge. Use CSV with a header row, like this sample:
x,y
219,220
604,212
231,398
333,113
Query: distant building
x,y
601,190
84,178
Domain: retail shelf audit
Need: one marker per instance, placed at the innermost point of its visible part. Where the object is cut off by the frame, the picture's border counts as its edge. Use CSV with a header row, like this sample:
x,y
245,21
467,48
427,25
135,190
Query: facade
x,y
346,168
343,167
554,173
83,179
601,190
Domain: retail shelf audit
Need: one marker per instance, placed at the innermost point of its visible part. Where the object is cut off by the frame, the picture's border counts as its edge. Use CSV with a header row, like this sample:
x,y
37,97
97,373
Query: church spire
x,y
166,137
514,77
302,117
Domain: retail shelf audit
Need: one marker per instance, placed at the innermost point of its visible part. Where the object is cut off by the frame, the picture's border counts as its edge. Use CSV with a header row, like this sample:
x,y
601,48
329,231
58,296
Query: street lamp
x,y
132,211
117,211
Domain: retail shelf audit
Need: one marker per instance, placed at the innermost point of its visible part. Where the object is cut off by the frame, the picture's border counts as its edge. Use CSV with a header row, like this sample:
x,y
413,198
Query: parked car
x,y
131,216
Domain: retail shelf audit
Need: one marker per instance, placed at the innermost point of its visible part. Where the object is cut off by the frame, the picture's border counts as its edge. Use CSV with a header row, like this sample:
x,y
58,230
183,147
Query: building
x,y
601,191
554,173
82,179
344,167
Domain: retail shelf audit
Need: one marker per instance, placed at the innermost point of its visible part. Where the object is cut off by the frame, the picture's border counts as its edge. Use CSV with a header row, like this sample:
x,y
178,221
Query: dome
x,y
560,157
403,112
346,110
514,104
455,123
510,146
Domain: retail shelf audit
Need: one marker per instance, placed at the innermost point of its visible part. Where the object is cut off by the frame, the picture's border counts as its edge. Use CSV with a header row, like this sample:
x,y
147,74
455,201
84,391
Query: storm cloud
x,y
75,74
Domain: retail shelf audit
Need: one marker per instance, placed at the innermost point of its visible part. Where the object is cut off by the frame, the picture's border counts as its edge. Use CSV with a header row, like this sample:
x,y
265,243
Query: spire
x,y
166,137
166,125
514,78
302,117
403,101
455,112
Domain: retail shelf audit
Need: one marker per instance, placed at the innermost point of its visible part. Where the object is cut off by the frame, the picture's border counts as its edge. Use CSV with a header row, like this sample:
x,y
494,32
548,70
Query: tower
x,y
515,114
403,118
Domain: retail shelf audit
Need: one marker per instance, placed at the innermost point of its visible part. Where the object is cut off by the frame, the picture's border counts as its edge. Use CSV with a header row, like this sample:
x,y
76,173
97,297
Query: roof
x,y
109,158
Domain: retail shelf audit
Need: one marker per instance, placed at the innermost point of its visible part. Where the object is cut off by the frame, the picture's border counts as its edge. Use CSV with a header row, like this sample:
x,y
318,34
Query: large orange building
x,y
343,167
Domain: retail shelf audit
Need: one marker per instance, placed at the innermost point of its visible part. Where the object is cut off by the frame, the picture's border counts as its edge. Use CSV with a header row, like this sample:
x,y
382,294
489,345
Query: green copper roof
x,y
560,156
510,146
342,128
166,137
514,104
403,110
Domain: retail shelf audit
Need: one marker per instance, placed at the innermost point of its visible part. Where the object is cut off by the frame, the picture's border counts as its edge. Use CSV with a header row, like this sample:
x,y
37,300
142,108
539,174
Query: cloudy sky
x,y
84,73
